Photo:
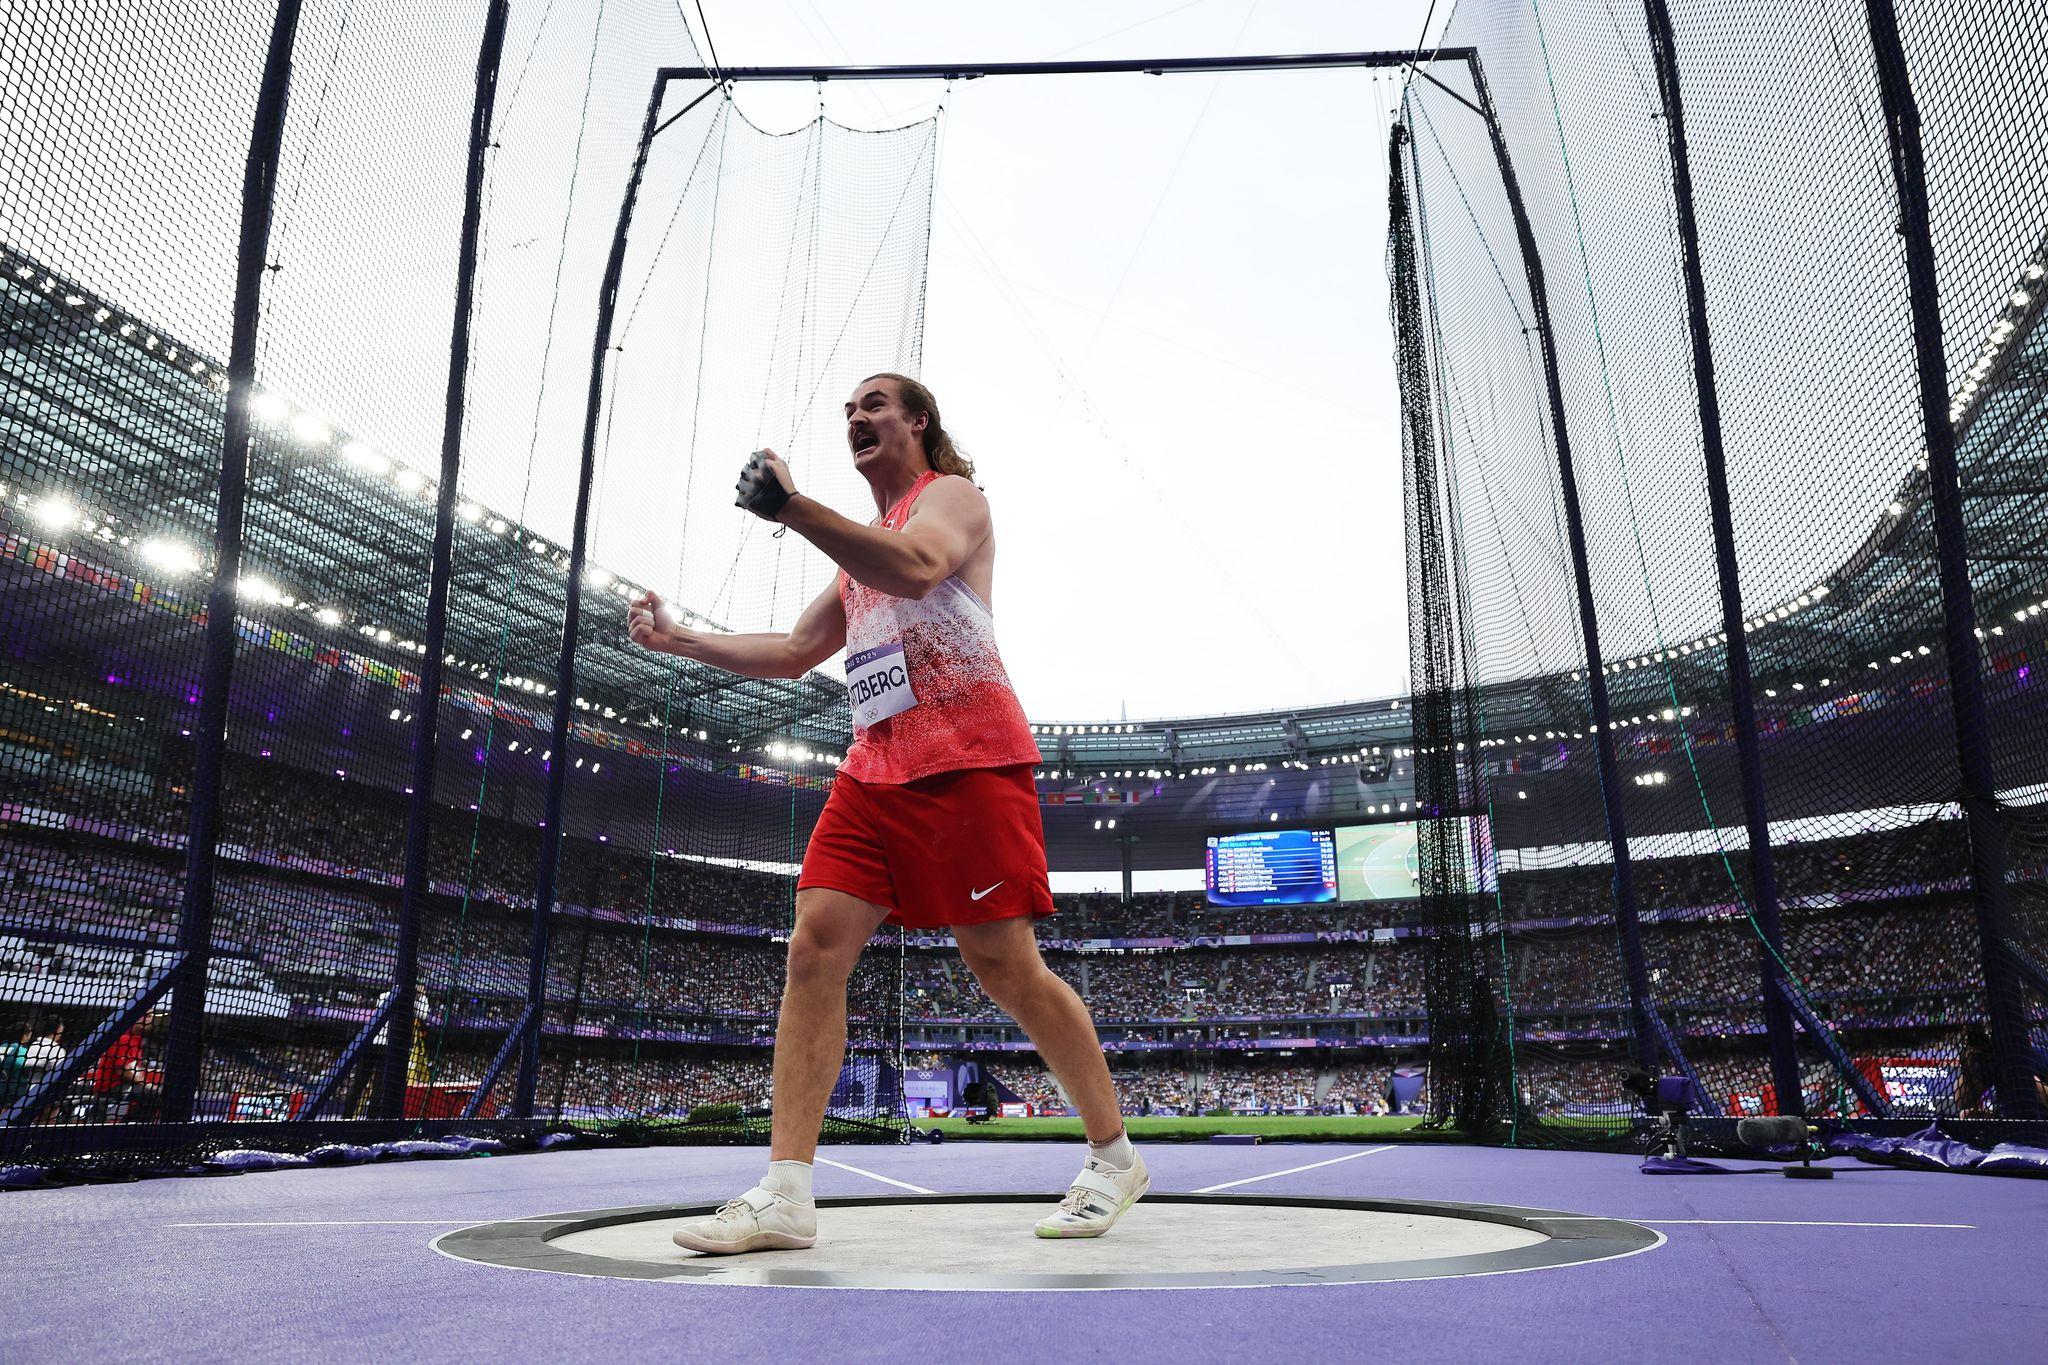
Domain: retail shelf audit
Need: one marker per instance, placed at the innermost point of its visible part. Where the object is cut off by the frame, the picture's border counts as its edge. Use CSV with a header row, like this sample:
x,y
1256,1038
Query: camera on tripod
x,y
1669,1099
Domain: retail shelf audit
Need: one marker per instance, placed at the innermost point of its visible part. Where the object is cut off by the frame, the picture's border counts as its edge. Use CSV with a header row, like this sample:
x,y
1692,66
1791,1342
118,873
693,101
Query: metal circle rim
x,y
1569,1239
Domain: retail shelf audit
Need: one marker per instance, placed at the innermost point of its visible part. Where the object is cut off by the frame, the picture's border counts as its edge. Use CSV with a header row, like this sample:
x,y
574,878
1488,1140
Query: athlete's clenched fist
x,y
649,622
765,485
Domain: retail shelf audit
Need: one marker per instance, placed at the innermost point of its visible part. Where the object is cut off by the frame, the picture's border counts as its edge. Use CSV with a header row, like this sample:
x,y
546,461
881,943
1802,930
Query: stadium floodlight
x,y
383,636
470,512
597,578
266,406
173,557
311,429
55,512
411,480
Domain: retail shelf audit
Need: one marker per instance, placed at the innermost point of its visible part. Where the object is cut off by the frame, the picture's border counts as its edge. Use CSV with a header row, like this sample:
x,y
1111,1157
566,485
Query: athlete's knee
x,y
819,959
1007,976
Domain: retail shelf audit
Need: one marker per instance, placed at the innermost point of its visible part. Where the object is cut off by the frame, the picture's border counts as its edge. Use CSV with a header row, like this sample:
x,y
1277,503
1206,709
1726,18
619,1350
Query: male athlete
x,y
933,821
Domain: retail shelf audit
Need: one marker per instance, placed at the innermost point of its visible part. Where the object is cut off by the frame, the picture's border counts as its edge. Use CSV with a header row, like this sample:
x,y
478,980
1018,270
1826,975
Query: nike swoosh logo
x,y
977,895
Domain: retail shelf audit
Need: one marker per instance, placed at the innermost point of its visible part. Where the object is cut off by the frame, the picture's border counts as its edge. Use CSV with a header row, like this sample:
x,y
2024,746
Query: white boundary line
x,y
368,1223
1748,1222
1291,1170
886,1180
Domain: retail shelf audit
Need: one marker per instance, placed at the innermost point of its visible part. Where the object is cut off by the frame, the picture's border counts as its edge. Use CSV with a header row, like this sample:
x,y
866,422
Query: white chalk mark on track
x,y
886,1180
1292,1170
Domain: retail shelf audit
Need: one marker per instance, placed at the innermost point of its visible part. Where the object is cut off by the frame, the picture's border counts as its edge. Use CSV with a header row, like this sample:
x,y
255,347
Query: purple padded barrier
x,y
339,1154
475,1146
417,1147
1931,1150
244,1160
20,1177
2013,1158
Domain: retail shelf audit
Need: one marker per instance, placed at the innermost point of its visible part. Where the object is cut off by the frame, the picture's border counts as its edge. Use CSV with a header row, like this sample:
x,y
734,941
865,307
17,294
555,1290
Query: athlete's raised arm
x,y
950,521
817,635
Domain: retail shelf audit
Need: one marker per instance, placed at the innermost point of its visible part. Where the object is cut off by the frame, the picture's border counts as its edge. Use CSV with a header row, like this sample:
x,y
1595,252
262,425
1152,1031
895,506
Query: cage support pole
x,y
1982,817
565,668
390,1101
1742,694
1649,1039
1456,1094
209,731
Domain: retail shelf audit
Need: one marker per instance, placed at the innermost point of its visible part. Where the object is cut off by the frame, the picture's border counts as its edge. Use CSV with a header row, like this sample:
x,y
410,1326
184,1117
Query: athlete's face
x,y
879,428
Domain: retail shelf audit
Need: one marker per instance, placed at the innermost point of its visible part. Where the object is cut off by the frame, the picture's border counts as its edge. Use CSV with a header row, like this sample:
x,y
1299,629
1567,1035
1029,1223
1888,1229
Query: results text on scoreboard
x,y
1272,867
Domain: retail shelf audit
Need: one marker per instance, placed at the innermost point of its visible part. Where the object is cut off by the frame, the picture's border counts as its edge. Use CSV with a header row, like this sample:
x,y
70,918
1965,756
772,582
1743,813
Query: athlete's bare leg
x,y
1003,955
810,1031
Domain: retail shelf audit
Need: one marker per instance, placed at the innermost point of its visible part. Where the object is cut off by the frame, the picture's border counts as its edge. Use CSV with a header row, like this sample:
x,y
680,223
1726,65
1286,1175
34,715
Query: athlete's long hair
x,y
939,448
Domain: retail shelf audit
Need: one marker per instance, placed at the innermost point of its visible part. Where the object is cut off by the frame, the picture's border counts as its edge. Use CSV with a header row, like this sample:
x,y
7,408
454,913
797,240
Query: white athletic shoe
x,y
1099,1196
759,1220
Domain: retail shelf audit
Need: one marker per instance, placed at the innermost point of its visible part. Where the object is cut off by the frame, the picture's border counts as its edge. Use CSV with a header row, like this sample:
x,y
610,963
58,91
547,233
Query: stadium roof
x,y
1882,606
337,533
338,537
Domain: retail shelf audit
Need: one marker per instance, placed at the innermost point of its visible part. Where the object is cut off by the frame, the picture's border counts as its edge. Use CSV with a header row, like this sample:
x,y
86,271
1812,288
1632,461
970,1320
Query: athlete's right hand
x,y
649,622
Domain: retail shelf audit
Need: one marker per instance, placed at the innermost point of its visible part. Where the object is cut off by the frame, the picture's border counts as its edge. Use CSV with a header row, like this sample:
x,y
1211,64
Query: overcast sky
x,y
1157,319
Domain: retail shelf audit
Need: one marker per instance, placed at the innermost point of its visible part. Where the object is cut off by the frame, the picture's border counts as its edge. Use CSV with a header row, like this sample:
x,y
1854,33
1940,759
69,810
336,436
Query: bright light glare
x,y
171,556
55,513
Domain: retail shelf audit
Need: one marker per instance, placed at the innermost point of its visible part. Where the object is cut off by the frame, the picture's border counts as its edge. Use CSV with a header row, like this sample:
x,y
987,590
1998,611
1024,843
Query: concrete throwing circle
x,y
984,1242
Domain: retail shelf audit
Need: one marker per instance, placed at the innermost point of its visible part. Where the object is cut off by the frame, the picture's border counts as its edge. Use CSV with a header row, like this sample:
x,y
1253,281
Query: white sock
x,y
1115,1152
790,1179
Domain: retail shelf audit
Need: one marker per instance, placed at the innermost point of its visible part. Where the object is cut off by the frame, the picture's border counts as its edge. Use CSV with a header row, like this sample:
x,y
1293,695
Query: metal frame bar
x,y
1845,1067
317,1098
182,1060
1145,66
82,1057
1771,947
515,1040
390,1101
1979,795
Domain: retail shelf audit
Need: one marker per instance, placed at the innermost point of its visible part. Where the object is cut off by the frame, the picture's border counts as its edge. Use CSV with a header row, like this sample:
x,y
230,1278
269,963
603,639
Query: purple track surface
x,y
107,1273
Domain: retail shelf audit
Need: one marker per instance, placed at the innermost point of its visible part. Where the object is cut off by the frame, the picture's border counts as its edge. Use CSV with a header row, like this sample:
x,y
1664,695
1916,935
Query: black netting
x,y
672,894
1877,904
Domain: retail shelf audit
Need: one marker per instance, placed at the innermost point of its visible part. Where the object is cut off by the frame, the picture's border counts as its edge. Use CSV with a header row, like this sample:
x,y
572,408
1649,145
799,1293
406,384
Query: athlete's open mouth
x,y
863,441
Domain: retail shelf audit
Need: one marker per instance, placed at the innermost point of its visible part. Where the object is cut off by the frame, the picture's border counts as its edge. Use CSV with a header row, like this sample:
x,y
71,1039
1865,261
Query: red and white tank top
x,y
928,690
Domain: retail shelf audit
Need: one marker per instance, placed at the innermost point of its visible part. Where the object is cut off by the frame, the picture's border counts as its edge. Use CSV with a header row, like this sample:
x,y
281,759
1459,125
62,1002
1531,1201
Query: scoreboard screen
x,y
1384,861
1272,867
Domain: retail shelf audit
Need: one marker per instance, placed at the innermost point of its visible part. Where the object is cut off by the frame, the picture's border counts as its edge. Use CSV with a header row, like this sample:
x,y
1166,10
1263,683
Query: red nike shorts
x,y
963,847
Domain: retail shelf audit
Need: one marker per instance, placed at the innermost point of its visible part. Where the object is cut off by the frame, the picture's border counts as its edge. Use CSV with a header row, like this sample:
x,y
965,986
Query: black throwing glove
x,y
760,492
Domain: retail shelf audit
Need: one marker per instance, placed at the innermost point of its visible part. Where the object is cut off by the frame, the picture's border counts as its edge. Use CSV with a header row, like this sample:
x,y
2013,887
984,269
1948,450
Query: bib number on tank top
x,y
878,684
